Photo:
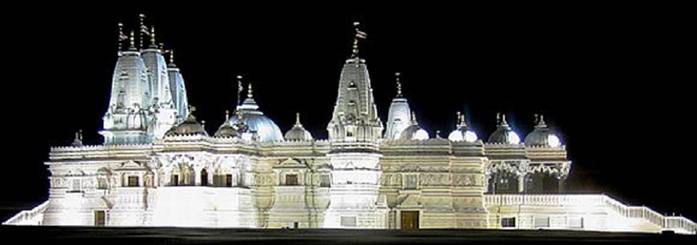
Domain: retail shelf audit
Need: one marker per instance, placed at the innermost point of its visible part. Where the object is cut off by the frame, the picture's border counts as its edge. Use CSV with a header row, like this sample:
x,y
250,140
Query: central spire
x,y
355,116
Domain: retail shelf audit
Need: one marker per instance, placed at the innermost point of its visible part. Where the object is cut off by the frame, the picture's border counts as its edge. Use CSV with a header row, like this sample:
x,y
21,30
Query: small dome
x,y
188,127
462,132
298,132
542,135
504,134
414,131
226,130
264,127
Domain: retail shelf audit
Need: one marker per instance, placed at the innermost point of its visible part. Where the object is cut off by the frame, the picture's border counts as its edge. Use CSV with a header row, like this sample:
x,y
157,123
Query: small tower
x,y
399,113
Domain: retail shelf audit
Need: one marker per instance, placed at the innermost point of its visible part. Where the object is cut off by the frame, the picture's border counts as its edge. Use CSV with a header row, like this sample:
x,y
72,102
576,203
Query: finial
x,y
459,118
203,124
192,109
227,115
143,30
359,35
249,91
78,138
297,118
399,84
122,37
541,121
463,122
413,118
161,46
498,117
503,120
153,42
132,41
171,56
438,134
240,88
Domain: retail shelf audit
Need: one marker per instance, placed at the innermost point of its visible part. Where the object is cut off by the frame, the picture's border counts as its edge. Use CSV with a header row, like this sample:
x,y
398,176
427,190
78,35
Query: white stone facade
x,y
248,176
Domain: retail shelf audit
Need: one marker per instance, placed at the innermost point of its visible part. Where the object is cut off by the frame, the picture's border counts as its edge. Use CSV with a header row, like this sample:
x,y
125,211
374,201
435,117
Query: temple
x,y
158,166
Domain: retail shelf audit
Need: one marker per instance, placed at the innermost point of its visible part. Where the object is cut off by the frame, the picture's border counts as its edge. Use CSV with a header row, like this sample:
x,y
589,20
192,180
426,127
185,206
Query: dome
x,y
542,135
504,134
298,132
226,130
188,127
414,131
462,132
264,127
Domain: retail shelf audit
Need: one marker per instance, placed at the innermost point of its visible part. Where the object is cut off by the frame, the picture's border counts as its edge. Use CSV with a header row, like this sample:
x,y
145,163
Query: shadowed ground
x,y
164,235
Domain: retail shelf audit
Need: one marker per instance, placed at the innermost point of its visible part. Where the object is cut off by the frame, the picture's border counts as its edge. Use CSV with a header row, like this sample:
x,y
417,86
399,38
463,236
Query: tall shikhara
x,y
355,116
148,96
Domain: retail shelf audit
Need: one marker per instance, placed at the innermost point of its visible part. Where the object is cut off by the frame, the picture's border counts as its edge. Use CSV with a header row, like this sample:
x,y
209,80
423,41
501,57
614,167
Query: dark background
x,y
614,81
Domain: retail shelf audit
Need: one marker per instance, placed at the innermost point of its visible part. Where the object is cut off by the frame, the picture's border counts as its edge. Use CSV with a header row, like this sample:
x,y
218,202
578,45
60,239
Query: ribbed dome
x,y
542,135
504,134
226,130
462,132
414,131
188,127
264,127
298,132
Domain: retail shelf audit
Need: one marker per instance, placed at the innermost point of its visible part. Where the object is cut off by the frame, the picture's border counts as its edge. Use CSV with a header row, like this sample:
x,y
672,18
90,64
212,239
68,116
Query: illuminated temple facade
x,y
158,166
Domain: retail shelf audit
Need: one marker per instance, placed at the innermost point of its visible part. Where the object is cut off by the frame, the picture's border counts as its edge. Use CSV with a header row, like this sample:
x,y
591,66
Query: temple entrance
x,y
409,220
204,177
99,218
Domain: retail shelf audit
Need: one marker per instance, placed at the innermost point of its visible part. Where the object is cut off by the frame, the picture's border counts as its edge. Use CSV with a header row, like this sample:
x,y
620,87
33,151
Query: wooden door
x,y
410,220
99,218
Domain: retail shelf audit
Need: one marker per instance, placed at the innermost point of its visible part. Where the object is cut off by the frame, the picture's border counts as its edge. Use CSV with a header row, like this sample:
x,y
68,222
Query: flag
x,y
360,34
144,30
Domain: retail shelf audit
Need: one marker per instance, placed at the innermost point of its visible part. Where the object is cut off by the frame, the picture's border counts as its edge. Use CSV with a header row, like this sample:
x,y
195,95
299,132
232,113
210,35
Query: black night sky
x,y
614,81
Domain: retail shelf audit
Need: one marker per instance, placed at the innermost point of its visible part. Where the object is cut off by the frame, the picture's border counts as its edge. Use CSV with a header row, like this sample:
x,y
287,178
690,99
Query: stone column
x,y
521,182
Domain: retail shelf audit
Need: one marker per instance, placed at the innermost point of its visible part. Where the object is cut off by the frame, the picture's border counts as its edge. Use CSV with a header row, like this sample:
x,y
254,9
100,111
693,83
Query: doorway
x,y
409,220
99,218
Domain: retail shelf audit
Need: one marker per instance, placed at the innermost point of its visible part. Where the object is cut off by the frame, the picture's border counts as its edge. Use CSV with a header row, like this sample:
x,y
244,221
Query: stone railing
x,y
674,223
28,217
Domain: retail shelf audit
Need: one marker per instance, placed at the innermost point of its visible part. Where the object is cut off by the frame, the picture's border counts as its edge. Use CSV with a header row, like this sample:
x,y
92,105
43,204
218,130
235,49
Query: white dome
x,y
414,131
298,132
504,134
264,127
542,136
462,132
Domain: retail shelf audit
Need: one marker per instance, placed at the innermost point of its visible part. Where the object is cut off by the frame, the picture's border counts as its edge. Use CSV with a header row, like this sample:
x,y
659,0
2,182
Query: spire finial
x,y
399,84
297,118
498,117
153,42
227,115
122,37
463,122
240,88
459,118
143,30
413,118
78,138
359,35
438,134
171,56
249,91
132,41
541,121
503,120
